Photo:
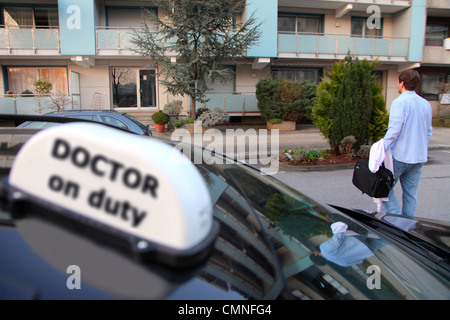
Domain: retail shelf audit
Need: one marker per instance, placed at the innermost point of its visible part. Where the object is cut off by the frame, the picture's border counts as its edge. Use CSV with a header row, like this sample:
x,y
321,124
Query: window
x,y
46,17
432,86
28,17
300,24
297,74
360,29
23,78
126,17
435,34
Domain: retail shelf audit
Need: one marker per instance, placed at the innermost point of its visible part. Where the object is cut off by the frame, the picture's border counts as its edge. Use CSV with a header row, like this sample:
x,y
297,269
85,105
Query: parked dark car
x,y
117,119
264,241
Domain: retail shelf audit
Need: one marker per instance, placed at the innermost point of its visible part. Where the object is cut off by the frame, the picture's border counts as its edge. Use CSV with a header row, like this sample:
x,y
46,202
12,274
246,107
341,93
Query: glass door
x,y
123,87
133,87
147,88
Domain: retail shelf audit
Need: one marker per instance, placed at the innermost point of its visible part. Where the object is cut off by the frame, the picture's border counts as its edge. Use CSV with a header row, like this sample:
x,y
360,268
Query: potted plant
x,y
280,125
160,119
173,109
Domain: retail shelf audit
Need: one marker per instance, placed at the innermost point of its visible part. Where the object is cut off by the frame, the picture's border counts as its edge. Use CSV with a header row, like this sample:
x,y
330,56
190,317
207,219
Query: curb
x,y
329,167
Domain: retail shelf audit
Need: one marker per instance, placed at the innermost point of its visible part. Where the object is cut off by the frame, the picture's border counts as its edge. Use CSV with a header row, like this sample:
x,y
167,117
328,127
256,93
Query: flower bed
x,y
306,157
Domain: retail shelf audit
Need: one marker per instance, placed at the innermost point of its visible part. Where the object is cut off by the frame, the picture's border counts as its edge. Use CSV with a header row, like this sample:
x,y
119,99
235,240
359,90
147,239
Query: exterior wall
x,y
92,81
247,78
2,80
265,11
95,81
417,29
391,87
436,55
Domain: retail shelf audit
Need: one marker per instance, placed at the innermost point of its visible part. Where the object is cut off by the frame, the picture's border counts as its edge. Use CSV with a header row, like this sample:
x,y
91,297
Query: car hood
x,y
431,235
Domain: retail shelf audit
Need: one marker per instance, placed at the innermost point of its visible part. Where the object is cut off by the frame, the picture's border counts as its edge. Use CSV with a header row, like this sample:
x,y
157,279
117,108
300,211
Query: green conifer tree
x,y
350,104
203,35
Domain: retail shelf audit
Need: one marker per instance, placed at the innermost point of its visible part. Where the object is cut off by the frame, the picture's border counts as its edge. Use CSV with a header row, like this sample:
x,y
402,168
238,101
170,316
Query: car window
x,y
113,121
84,117
359,264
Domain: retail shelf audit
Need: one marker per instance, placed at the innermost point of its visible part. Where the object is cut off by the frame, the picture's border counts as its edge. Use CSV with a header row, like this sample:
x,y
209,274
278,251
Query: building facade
x,y
83,47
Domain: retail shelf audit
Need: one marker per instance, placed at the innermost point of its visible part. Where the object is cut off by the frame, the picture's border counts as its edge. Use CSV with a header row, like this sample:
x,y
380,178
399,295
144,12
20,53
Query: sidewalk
x,y
306,136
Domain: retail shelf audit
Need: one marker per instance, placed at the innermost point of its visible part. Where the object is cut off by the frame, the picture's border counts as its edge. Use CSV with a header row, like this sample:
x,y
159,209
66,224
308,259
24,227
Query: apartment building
x,y
83,48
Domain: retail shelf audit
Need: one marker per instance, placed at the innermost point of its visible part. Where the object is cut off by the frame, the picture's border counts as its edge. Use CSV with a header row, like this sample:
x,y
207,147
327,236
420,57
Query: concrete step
x,y
143,116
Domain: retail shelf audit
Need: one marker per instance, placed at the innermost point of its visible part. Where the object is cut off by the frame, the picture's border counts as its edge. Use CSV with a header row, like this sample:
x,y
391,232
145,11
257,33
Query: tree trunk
x,y
192,111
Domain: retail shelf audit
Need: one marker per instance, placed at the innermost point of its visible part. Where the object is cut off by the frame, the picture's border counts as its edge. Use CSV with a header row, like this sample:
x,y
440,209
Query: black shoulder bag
x,y
375,185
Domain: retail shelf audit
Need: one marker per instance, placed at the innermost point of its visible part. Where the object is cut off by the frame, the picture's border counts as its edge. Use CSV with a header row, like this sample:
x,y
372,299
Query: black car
x,y
117,119
258,240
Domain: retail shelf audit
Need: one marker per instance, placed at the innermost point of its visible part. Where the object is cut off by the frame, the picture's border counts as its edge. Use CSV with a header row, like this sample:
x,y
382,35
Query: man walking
x,y
407,136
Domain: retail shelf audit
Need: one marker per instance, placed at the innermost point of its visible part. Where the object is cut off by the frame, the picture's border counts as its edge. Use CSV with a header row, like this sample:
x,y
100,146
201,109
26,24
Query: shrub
x,y
286,100
347,145
27,93
201,111
173,108
178,123
267,95
296,99
364,151
274,121
181,122
350,104
213,118
42,87
300,155
160,117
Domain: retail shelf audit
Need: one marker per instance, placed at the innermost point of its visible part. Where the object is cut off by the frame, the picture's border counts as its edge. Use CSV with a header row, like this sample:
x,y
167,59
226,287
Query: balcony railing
x,y
232,103
332,46
114,40
37,104
29,40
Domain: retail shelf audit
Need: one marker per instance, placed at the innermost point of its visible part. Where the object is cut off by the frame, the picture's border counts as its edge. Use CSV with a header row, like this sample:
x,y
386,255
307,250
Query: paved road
x,y
335,187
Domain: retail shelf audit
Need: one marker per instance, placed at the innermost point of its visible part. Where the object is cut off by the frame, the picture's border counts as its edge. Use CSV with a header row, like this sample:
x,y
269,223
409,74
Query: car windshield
x,y
370,267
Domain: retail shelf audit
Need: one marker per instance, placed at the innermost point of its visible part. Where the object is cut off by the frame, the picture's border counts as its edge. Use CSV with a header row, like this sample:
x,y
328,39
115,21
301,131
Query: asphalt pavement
x,y
334,186
307,136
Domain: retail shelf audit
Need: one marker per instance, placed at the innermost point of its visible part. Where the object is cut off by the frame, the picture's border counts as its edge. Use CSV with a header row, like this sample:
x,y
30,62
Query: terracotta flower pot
x,y
159,127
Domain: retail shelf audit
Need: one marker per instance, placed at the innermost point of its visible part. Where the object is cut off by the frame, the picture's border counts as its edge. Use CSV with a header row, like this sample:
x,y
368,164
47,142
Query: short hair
x,y
410,79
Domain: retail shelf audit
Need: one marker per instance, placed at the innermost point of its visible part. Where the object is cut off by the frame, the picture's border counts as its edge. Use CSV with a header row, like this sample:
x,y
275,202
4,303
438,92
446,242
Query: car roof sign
x,y
121,184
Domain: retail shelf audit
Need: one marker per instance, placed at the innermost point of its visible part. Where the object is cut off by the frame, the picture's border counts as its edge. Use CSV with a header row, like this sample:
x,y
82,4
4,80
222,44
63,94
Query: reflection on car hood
x,y
434,232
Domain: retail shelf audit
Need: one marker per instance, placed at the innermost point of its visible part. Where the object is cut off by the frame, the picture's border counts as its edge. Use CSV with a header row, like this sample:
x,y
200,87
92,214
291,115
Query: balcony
x,y
29,41
114,41
232,103
386,6
334,46
439,55
37,104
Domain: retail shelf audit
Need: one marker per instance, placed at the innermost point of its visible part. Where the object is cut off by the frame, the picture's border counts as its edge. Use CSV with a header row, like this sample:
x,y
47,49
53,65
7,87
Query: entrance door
x,y
147,88
133,87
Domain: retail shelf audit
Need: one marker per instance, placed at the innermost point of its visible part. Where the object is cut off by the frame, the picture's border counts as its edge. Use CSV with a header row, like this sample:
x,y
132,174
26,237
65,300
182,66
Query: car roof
x,y
82,110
